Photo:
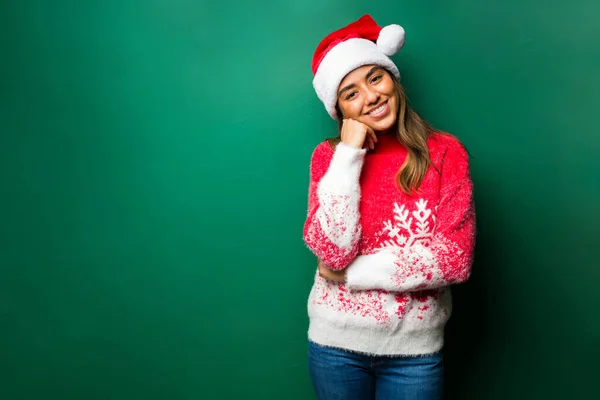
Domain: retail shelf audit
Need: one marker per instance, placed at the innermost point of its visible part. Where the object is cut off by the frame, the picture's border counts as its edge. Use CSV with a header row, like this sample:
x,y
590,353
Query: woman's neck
x,y
387,142
392,131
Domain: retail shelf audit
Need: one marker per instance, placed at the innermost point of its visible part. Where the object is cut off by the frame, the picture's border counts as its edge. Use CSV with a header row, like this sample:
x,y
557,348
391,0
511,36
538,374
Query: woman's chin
x,y
378,125
382,127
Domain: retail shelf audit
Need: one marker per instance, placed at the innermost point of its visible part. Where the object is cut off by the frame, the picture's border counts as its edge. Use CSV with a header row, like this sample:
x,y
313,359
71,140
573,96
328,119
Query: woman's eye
x,y
376,79
351,96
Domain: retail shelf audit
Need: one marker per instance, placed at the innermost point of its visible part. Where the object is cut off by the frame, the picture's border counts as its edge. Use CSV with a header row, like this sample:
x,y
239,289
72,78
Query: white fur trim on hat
x,y
346,57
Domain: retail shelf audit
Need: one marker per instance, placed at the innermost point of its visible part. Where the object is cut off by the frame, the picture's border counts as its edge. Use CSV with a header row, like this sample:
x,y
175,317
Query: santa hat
x,y
363,42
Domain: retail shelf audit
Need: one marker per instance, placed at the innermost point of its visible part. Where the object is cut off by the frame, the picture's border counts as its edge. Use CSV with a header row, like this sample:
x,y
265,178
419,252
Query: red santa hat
x,y
363,42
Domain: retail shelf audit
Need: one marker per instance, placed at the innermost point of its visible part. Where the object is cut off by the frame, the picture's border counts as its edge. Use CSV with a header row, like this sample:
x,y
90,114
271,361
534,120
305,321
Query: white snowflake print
x,y
402,233
410,237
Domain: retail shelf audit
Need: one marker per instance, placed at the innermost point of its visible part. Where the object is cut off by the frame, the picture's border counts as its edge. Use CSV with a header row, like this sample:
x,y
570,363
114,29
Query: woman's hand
x,y
357,134
331,275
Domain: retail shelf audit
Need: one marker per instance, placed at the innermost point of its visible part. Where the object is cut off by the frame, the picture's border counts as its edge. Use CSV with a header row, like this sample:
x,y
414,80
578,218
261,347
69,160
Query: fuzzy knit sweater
x,y
401,252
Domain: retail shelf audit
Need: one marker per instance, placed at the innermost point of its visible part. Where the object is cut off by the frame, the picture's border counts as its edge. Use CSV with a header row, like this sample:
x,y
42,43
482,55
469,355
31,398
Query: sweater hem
x,y
378,355
377,342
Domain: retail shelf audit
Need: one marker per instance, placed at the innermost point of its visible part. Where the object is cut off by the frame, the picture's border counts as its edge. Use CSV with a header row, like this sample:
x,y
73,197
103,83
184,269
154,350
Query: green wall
x,y
154,167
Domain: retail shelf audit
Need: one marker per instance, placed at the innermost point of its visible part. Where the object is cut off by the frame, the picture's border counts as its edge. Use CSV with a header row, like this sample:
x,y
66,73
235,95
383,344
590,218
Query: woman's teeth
x,y
378,109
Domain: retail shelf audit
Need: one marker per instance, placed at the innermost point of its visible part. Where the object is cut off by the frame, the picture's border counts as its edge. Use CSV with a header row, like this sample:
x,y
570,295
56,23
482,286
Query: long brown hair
x,y
413,132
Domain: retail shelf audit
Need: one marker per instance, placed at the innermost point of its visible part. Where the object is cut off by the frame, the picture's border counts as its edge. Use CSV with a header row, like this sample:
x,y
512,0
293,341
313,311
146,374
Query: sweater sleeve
x,y
332,229
446,259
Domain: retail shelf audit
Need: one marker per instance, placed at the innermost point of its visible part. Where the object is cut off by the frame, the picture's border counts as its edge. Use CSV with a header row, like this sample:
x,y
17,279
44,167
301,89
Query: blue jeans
x,y
343,375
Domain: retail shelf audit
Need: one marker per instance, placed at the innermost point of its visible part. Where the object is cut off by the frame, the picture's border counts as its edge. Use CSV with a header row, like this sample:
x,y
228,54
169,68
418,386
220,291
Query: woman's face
x,y
368,95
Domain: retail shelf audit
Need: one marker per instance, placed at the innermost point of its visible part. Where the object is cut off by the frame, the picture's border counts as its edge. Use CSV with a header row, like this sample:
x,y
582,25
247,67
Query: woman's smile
x,y
379,111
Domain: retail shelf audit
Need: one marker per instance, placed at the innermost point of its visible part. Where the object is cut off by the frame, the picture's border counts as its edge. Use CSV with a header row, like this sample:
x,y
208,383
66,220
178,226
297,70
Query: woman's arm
x,y
332,229
448,257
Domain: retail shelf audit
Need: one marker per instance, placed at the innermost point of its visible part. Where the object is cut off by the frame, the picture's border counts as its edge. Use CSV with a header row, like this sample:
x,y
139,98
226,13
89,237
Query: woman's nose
x,y
372,96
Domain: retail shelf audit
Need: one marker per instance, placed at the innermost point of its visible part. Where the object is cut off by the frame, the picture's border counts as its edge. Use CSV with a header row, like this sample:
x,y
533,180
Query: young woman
x,y
391,219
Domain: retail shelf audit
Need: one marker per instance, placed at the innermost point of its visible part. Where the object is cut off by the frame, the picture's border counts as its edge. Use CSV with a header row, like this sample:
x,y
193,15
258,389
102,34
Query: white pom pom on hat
x,y
362,42
391,39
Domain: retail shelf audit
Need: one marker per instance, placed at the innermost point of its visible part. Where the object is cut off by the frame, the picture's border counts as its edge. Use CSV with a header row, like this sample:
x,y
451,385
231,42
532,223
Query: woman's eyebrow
x,y
350,86
347,87
372,71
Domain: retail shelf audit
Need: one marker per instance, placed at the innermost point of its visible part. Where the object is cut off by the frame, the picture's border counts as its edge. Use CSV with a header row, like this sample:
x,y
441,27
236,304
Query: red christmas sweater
x,y
401,252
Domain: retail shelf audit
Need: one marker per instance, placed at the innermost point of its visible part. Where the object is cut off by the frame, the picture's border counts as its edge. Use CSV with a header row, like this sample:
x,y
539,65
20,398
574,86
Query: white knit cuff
x,y
372,271
343,174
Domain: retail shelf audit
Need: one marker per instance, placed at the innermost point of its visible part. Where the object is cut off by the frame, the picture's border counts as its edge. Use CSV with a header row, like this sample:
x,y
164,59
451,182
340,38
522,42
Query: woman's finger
x,y
372,134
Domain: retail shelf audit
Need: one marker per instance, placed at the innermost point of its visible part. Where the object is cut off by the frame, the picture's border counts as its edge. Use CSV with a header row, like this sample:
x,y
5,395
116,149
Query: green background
x,y
154,168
